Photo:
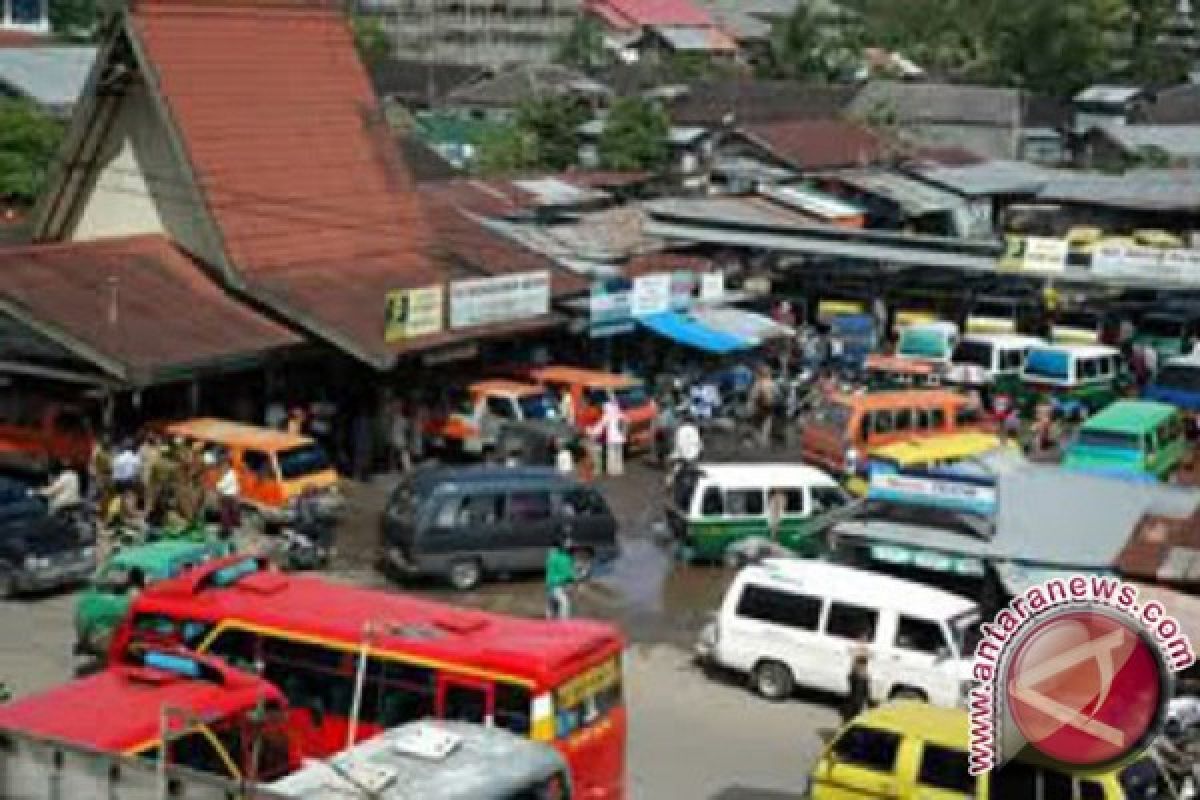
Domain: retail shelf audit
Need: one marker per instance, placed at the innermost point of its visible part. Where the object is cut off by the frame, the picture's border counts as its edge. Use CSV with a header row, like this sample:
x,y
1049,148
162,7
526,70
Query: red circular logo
x,y
1085,688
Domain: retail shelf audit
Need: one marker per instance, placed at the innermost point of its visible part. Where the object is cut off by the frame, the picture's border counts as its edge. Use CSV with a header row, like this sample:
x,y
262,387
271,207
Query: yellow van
x,y
914,751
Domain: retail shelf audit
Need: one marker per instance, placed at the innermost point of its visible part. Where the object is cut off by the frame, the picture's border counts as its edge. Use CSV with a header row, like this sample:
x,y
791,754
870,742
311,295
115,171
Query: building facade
x,y
477,32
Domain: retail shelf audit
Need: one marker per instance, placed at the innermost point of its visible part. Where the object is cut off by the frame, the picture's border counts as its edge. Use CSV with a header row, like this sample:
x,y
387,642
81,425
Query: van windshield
x,y
926,342
965,629
307,459
538,406
977,353
833,415
1180,378
631,397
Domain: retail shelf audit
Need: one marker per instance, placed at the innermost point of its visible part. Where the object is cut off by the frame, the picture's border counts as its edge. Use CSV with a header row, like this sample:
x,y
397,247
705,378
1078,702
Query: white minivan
x,y
791,622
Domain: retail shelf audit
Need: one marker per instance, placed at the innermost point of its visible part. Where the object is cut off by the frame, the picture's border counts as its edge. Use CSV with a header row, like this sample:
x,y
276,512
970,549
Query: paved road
x,y
690,736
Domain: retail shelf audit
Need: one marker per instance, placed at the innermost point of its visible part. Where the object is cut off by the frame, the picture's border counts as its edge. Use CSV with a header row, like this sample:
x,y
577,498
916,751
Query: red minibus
x,y
554,681
220,720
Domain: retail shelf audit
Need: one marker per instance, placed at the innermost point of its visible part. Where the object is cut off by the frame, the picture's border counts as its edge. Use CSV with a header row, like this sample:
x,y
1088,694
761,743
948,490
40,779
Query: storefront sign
x,y
927,559
712,286
1146,263
651,294
412,312
505,298
1036,254
610,308
683,290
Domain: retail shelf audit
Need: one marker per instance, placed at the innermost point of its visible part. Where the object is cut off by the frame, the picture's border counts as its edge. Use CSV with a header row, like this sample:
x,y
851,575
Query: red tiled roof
x,y
818,144
168,313
282,130
456,208
626,14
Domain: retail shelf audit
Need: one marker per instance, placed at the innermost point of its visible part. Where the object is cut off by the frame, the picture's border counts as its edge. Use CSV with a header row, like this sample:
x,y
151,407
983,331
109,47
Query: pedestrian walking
x,y
400,439
100,471
610,431
687,447
189,483
150,454
776,506
228,496
126,468
763,396
858,697
566,406
560,574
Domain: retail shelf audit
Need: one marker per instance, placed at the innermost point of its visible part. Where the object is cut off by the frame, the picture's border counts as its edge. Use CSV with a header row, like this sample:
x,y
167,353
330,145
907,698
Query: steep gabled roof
x,y
817,144
626,14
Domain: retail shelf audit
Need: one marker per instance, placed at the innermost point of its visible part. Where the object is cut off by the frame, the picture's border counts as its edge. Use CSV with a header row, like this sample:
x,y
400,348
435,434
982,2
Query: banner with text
x,y
505,298
1131,262
410,313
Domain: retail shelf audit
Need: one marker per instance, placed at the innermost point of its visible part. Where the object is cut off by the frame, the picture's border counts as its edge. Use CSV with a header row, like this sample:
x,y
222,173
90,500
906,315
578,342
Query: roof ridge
x,y
305,8
40,248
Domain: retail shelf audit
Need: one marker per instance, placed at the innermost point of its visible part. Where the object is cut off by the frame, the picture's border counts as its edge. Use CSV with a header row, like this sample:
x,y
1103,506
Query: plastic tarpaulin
x,y
688,331
743,324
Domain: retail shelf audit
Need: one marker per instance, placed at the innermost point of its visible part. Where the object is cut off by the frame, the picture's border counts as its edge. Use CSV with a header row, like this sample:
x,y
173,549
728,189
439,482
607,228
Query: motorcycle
x,y
307,538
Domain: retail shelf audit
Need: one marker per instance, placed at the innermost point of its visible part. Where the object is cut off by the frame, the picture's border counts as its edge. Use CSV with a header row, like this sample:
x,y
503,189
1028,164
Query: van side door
x,y
532,528
583,514
911,657
769,623
846,625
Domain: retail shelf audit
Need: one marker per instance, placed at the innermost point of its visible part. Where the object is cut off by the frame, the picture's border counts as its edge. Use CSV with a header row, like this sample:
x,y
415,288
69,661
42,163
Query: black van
x,y
38,551
464,523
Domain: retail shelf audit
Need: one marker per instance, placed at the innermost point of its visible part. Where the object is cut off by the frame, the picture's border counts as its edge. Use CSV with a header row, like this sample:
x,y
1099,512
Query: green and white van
x,y
716,505
1077,380
1134,438
990,361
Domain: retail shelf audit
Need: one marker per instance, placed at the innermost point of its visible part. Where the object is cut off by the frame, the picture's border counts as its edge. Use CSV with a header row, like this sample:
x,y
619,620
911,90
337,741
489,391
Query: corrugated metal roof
x,y
50,76
1149,190
991,178
913,196
139,301
817,144
294,160
934,103
1108,95
695,39
1177,141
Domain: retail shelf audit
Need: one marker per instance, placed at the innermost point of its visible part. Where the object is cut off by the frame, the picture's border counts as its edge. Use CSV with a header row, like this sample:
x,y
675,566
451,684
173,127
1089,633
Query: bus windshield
x,y
307,459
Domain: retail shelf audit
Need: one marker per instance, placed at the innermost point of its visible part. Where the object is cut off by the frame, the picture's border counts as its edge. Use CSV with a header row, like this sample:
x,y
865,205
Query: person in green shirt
x,y
560,573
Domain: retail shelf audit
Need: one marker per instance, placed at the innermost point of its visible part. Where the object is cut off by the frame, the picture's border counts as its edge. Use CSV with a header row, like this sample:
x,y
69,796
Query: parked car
x,y
1075,379
1130,438
102,606
715,506
792,622
273,467
39,551
466,523
913,751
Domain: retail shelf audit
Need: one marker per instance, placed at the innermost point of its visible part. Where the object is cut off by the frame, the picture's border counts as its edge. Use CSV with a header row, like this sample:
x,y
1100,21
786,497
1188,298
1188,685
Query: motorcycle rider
x,y
63,492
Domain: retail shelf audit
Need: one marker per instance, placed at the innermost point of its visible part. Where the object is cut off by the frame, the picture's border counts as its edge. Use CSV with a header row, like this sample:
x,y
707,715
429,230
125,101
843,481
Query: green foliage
x,y
1051,46
29,140
584,46
504,151
635,136
75,19
552,123
370,39
806,47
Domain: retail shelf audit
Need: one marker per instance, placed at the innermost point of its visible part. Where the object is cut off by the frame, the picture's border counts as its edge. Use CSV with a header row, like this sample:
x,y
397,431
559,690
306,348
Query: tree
x,y
1153,59
552,121
584,46
75,19
635,135
370,39
506,150
805,47
29,140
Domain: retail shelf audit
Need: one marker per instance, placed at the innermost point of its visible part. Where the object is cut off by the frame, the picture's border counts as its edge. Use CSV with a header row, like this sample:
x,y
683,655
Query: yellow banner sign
x,y
412,312
582,686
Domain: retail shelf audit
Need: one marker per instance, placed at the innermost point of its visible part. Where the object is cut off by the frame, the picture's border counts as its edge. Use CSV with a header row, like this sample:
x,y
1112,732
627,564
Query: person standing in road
x,y
401,439
126,468
560,574
228,495
776,505
566,406
763,396
687,447
610,429
860,678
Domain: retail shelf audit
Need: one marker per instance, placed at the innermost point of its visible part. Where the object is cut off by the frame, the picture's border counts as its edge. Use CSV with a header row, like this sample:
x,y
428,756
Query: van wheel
x,y
773,681
908,693
466,574
585,563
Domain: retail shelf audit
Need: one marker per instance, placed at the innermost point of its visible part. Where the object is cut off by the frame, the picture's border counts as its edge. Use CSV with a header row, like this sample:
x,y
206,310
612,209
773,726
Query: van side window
x,y
966,416
713,503
481,509
584,501
1104,367
849,621
871,748
196,751
448,514
529,507
1088,369
920,635
923,419
882,422
943,768
781,608
827,498
744,502
1090,790
793,500
501,407
904,420
1012,360
937,419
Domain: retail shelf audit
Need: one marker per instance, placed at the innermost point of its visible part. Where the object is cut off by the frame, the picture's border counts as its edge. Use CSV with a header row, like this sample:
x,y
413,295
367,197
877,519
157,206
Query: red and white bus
x,y
220,720
558,681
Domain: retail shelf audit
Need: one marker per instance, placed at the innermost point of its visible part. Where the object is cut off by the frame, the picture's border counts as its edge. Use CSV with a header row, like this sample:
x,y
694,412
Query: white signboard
x,y
651,294
505,298
1176,265
1045,255
712,285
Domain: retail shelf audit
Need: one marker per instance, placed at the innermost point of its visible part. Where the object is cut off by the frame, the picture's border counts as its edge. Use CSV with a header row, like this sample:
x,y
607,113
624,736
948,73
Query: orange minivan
x,y
843,431
591,389
273,466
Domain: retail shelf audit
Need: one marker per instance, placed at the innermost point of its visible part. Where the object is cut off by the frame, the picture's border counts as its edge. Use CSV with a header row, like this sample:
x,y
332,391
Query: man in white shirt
x,y
610,429
63,491
687,449
127,468
228,492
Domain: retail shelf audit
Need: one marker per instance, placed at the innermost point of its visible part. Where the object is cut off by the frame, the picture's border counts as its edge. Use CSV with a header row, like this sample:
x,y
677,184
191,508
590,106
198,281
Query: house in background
x,y
770,152
496,98
1120,147
637,30
26,16
51,76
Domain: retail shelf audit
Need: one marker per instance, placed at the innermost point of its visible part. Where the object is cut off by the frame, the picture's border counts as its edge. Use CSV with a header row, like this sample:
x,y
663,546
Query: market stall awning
x,y
743,324
689,331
